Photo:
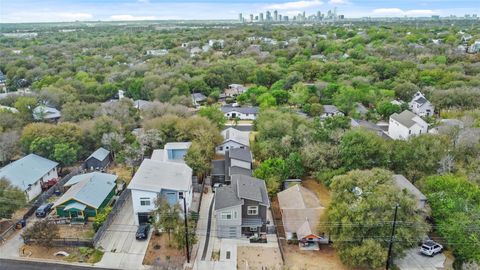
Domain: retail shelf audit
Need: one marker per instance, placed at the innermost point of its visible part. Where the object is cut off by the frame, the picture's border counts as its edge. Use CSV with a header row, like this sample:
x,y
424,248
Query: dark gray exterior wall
x,y
262,214
95,163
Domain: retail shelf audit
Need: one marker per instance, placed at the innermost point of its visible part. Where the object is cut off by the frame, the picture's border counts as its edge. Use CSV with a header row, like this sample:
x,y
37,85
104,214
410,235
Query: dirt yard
x,y
324,259
123,172
258,258
76,254
76,231
159,250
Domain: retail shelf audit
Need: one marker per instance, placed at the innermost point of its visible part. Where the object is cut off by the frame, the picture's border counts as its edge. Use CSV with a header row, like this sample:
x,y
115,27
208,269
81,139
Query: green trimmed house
x,y
87,195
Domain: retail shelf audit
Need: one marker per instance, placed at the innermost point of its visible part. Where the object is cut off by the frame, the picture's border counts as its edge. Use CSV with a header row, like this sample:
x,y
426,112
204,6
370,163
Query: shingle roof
x,y
403,183
245,110
405,118
240,170
240,154
99,154
251,188
27,170
231,134
225,197
153,175
90,189
301,210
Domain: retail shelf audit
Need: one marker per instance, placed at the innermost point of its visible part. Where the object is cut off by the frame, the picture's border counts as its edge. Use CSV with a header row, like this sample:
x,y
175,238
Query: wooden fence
x,y
279,242
64,242
117,206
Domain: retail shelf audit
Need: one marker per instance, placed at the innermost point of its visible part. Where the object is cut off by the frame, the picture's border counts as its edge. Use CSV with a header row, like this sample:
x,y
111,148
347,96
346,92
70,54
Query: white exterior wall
x,y
398,131
50,175
33,191
227,146
326,115
425,110
241,116
240,163
137,208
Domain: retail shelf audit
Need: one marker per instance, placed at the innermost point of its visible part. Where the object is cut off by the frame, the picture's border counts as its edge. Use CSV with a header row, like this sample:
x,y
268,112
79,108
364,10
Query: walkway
x,y
202,228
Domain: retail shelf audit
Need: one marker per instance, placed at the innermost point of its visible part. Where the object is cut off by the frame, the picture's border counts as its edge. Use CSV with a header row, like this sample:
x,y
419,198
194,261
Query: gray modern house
x,y
237,161
98,160
241,208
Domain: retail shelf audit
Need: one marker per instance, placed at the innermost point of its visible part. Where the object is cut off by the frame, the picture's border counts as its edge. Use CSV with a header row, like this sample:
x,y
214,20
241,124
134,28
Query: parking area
x,y
414,260
121,248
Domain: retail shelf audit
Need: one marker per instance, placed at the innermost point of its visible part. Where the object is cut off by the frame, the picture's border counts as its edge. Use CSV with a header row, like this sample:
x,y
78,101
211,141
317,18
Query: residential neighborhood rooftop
x,y
27,170
158,175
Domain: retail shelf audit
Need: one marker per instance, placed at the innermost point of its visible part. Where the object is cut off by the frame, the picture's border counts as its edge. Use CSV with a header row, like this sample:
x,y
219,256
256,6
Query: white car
x,y
431,248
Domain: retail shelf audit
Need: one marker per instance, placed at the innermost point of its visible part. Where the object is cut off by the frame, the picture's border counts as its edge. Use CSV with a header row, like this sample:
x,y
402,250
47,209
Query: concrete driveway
x,y
413,260
121,248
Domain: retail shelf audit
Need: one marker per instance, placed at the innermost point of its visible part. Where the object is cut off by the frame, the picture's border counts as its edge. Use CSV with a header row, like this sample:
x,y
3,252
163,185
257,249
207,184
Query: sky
x,y
122,10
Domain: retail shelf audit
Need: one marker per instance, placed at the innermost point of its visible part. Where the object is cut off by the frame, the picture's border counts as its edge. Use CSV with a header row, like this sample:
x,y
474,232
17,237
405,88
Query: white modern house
x,y
420,105
28,174
233,138
235,89
154,178
406,124
242,113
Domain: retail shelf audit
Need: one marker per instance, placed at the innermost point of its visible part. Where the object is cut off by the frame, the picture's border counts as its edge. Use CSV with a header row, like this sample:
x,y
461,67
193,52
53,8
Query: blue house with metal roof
x,y
29,172
88,195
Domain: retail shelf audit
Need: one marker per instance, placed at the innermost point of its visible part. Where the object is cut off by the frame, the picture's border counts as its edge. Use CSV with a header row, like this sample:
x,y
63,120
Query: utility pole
x,y
185,217
390,245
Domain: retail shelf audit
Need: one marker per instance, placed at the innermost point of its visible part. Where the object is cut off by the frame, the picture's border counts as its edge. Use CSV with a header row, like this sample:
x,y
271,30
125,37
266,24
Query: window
x,y
220,148
180,195
235,214
226,215
253,229
228,255
252,210
144,201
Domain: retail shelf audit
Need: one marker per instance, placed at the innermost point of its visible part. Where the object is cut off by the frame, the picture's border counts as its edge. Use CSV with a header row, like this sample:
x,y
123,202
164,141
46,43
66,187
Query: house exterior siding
x,y
398,131
240,163
93,163
227,146
89,213
229,228
241,116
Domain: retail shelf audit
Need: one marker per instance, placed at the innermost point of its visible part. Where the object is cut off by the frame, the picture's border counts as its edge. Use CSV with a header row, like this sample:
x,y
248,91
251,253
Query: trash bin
x,y
57,192
23,223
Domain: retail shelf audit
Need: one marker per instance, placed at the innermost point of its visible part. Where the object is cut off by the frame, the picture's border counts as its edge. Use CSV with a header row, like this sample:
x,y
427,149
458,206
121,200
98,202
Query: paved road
x,y
8,264
414,260
121,248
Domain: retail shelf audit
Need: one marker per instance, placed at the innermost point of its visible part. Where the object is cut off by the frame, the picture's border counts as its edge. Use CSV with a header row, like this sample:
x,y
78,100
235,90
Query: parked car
x,y
142,231
431,248
215,186
43,210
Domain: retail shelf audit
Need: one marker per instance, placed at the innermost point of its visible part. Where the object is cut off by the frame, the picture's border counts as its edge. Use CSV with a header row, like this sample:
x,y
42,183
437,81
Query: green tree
x,y
66,154
43,232
179,234
386,109
455,204
362,149
214,114
11,199
360,218
167,217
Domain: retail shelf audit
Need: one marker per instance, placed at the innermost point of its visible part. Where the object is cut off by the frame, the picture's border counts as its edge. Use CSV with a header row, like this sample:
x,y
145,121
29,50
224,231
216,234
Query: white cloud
x,y
339,2
400,12
128,17
295,5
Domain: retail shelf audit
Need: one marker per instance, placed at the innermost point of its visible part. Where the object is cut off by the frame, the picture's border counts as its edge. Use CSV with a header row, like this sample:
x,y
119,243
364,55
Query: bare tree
x,y
8,145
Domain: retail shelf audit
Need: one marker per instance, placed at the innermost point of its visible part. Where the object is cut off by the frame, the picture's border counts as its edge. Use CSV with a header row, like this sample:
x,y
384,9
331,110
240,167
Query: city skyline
x,y
126,10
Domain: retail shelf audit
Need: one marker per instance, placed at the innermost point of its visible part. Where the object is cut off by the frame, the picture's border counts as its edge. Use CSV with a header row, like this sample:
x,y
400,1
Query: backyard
x,y
258,258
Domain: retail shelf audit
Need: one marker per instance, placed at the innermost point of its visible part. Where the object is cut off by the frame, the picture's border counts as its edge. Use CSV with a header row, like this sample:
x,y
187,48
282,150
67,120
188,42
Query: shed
x,y
98,159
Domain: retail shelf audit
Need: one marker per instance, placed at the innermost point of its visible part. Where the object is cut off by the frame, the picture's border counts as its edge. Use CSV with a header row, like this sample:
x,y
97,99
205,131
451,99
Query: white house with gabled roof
x,y
233,138
420,105
406,124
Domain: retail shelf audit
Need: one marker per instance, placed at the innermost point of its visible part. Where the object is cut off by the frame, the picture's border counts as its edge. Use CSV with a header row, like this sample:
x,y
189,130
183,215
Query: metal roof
x,y
75,205
100,154
199,97
44,112
154,175
27,170
90,189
